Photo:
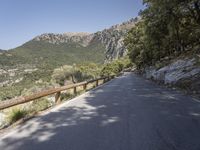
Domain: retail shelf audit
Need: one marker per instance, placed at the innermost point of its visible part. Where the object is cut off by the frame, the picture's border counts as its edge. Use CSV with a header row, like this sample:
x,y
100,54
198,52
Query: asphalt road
x,y
128,113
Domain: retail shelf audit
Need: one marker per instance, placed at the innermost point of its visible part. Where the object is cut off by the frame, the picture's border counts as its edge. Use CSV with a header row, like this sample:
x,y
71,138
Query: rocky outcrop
x,y
78,38
113,42
183,73
113,37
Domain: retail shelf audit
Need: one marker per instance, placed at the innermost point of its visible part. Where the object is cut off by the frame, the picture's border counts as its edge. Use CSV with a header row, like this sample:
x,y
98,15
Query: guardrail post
x,y
85,86
58,98
75,92
108,78
97,83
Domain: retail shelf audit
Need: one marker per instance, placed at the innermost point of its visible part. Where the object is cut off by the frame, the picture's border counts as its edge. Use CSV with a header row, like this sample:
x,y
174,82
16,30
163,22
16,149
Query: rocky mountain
x,y
111,39
82,39
69,48
35,60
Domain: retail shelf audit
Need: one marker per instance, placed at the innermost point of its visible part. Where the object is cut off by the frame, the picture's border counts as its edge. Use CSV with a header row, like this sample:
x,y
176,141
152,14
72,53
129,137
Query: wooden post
x,y
85,87
108,78
75,92
58,98
97,83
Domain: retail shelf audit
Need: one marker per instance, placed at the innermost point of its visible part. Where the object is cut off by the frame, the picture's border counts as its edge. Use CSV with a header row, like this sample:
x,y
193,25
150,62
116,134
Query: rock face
x,y
78,38
111,38
184,73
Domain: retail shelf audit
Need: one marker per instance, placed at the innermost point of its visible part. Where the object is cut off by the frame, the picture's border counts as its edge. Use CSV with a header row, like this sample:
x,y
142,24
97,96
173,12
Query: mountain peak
x,y
111,38
81,34
80,38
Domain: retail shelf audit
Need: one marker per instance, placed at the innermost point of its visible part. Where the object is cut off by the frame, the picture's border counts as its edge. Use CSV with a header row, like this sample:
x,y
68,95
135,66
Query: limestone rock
x,y
183,72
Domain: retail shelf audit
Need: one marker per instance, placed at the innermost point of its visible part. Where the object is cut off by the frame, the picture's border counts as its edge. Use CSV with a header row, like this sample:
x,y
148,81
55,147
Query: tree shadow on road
x,y
114,117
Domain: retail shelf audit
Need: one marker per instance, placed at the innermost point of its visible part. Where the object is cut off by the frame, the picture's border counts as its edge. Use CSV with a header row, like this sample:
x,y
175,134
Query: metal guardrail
x,y
57,91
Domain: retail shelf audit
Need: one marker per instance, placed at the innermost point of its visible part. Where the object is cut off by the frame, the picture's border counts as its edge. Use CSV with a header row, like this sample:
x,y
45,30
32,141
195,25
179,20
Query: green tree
x,y
167,28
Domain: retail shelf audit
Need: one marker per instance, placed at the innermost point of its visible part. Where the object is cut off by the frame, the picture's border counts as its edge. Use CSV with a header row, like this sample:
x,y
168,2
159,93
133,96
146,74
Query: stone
x,y
177,73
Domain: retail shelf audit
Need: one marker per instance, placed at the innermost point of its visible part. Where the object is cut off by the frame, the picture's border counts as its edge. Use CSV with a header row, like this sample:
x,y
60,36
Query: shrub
x,y
67,96
61,74
116,66
40,104
16,114
75,73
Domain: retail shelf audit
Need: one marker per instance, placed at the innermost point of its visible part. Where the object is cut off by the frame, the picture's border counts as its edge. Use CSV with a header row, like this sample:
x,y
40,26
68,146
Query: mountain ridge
x,y
33,63
111,38
70,47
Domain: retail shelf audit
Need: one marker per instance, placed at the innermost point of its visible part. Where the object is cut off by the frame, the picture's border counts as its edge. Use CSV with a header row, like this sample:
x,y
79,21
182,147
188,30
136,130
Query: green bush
x,y
165,29
90,70
67,96
76,73
40,104
116,66
16,114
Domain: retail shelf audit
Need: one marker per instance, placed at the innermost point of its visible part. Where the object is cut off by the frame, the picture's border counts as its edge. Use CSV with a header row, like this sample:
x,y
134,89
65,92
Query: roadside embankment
x,y
181,73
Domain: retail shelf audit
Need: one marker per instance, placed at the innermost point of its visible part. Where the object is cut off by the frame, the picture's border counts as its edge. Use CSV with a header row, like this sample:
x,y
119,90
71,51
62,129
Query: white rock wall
x,y
176,72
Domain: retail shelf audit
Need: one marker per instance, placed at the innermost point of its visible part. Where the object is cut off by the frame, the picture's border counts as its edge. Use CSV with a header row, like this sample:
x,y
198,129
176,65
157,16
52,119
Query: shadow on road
x,y
128,113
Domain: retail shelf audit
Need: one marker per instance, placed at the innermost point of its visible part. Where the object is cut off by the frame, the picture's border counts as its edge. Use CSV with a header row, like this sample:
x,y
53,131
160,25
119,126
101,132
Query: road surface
x,y
127,113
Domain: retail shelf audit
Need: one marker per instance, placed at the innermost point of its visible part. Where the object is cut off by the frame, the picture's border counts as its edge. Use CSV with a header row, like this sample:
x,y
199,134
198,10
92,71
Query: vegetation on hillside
x,y
166,30
116,66
42,58
77,73
73,74
41,53
63,75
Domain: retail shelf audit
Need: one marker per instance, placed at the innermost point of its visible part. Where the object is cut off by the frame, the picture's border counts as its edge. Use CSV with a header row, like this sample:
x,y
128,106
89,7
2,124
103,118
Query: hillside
x,y
35,60
38,52
165,46
66,48
42,52
22,67
113,39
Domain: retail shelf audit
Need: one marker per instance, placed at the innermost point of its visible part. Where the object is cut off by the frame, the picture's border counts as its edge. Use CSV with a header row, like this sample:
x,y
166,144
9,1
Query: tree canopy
x,y
166,28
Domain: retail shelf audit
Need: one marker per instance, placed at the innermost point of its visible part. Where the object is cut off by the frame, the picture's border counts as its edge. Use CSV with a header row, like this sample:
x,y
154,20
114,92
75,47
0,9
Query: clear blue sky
x,y
21,20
